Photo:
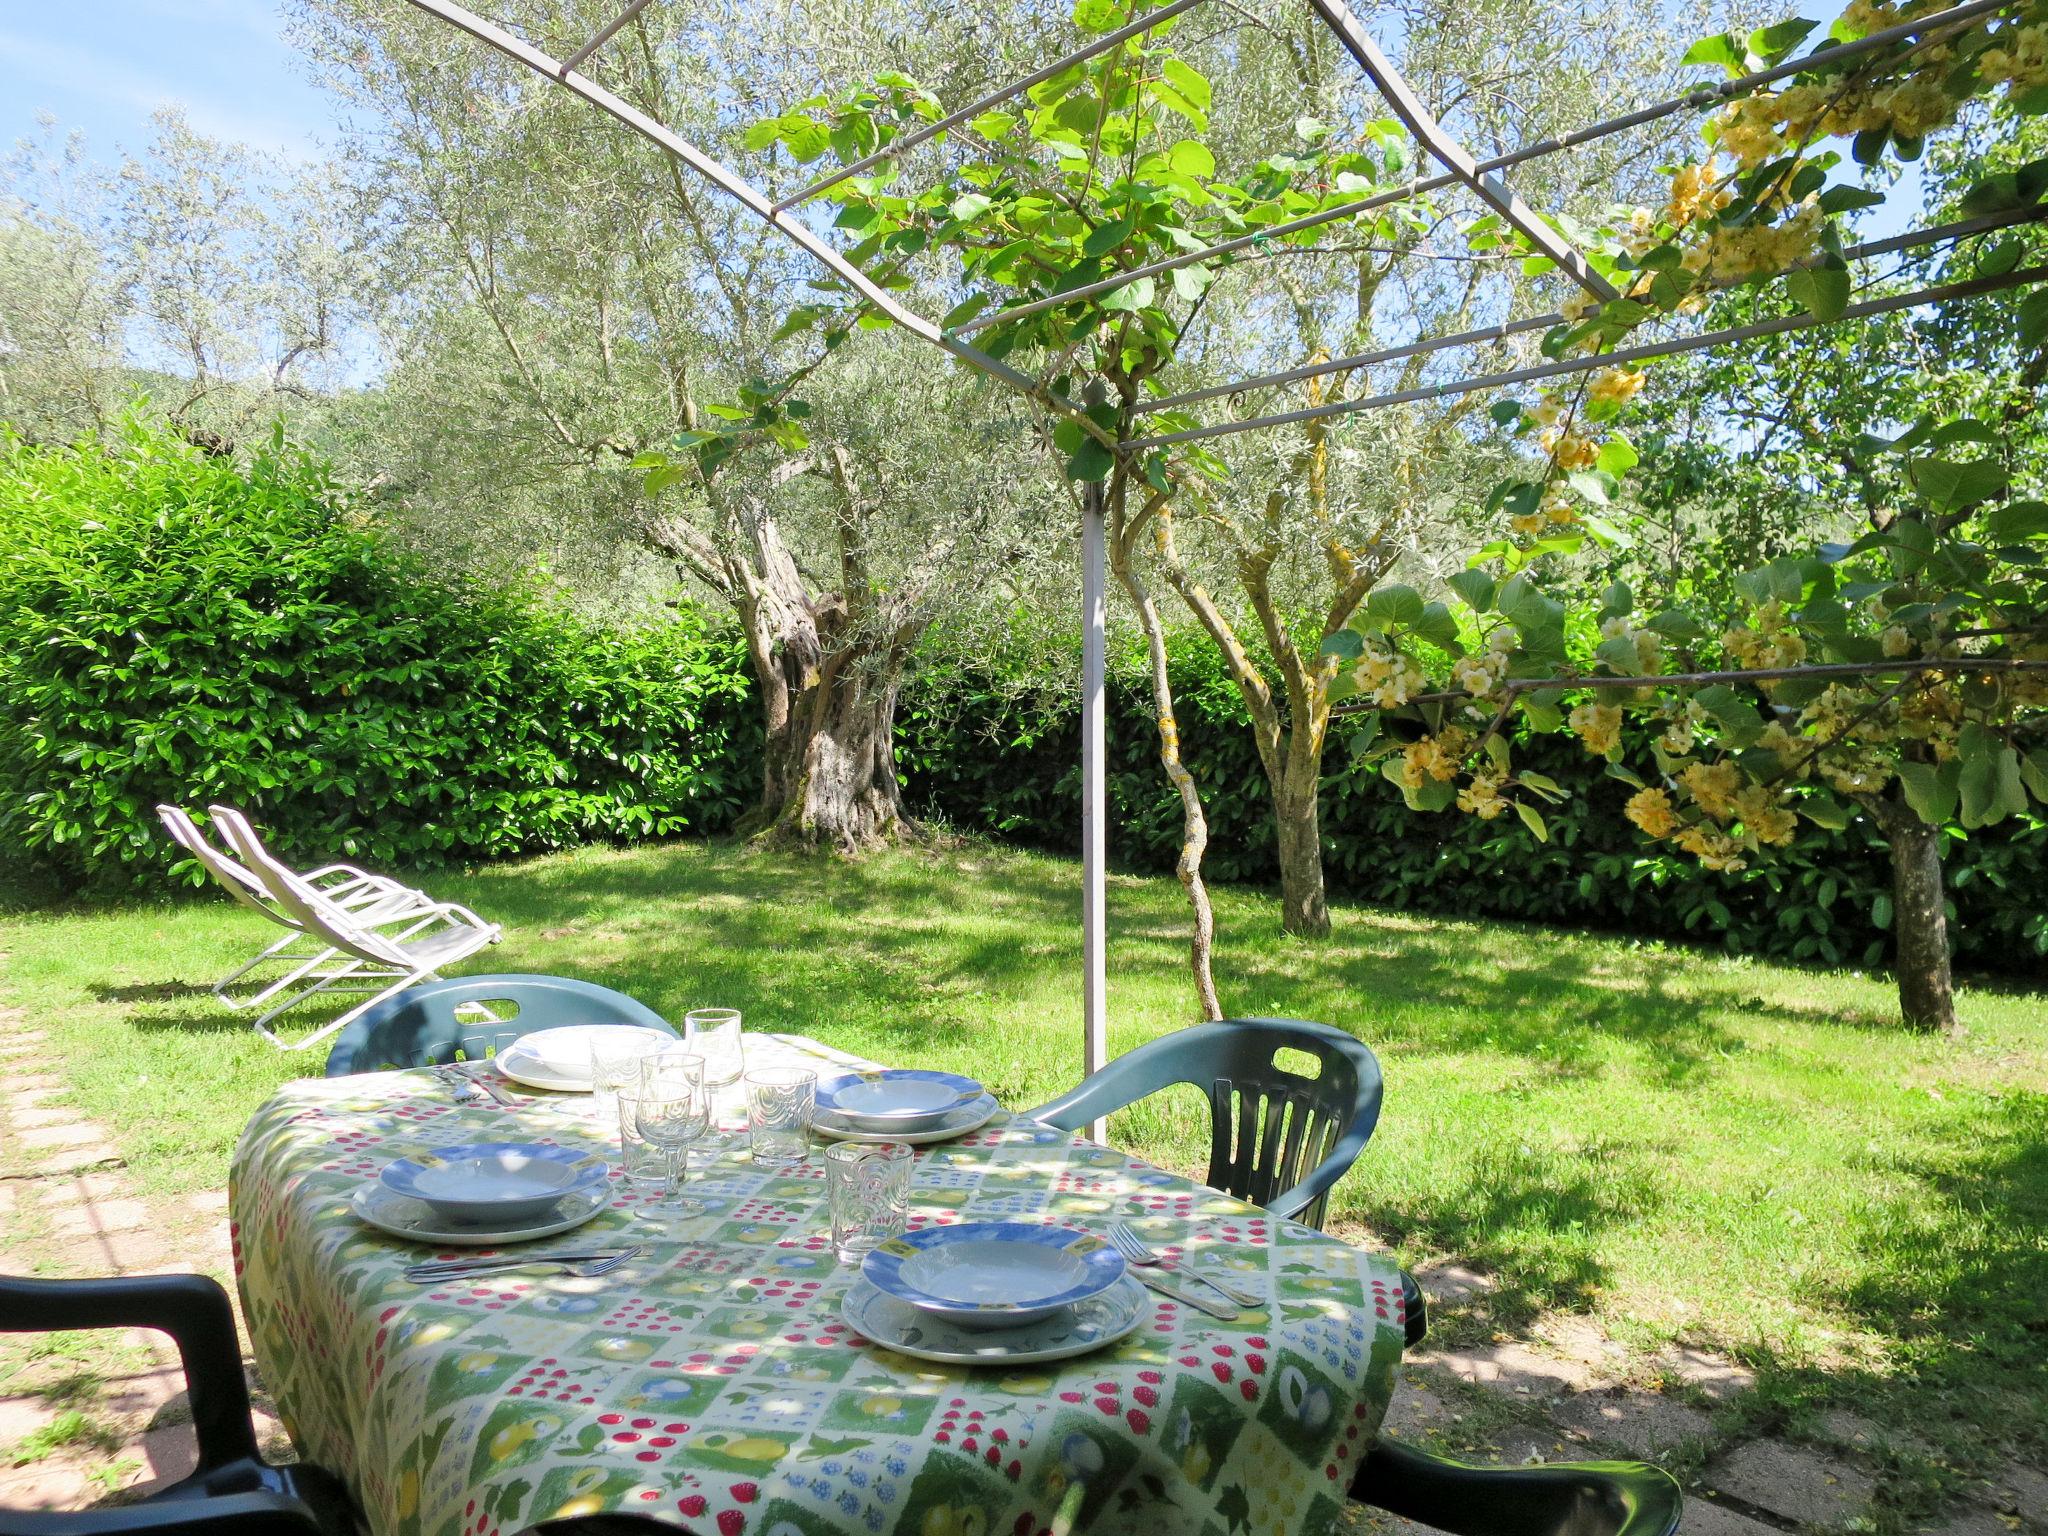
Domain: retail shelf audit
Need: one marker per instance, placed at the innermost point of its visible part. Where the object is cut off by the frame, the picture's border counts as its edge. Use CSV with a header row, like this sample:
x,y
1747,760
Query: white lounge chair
x,y
379,949
353,888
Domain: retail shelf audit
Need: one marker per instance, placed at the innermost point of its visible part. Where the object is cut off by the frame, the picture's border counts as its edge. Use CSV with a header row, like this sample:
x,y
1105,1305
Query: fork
x,y
472,1072
583,1266
1135,1251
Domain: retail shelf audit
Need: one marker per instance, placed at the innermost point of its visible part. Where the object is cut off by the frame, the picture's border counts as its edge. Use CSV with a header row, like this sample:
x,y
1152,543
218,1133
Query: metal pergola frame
x,y
1484,178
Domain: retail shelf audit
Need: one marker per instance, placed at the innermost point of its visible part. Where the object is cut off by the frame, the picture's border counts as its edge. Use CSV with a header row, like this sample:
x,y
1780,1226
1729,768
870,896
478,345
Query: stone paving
x,y
1564,1391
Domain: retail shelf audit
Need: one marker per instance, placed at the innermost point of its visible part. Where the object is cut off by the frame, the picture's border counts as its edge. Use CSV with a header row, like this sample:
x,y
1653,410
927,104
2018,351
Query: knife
x,y
1229,1314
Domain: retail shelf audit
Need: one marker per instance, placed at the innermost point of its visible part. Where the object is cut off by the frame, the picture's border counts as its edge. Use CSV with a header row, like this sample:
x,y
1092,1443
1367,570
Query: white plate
x,y
1094,1324
895,1098
415,1220
560,1058
958,1122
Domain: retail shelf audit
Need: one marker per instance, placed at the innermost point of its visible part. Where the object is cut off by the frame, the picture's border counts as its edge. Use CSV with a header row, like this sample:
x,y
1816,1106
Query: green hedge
x,y
178,627
986,755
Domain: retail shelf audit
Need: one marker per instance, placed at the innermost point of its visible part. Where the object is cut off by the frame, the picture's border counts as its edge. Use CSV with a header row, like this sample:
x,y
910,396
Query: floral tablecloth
x,y
711,1382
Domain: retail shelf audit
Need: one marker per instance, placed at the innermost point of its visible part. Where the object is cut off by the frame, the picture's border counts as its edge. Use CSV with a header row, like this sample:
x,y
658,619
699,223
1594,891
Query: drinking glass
x,y
869,1189
640,1160
614,1067
672,1109
714,1034
780,1103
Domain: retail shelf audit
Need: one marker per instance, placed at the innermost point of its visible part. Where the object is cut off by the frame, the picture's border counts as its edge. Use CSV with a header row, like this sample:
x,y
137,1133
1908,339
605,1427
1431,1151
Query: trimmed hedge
x,y
984,755
177,627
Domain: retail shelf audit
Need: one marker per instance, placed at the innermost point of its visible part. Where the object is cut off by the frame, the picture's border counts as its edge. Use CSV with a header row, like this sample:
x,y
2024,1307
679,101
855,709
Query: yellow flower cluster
x,y
1480,672
1482,798
1748,131
1386,676
1615,386
2018,59
1556,507
1597,725
1772,643
1765,817
1897,641
1855,770
1695,191
1713,787
1433,757
1652,810
1570,450
1714,848
1933,714
1648,643
1732,255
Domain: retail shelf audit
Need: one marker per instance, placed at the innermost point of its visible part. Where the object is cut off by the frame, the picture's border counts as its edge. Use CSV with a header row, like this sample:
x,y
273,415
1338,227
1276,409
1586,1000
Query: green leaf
x,y
964,311
1100,15
1191,282
1533,820
1881,911
1590,485
1617,456
1723,49
1505,413
1543,784
1846,198
1367,733
1824,810
1346,643
2034,773
1475,588
1188,80
1395,604
762,134
1090,462
1948,485
1541,713
1132,296
1437,626
1772,43
1822,292
1192,158
1105,238
1621,655
969,206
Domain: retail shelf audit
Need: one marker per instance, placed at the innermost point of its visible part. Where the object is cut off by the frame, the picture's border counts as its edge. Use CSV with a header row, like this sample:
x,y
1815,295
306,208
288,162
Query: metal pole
x,y
911,140
1700,98
604,35
1094,807
1940,294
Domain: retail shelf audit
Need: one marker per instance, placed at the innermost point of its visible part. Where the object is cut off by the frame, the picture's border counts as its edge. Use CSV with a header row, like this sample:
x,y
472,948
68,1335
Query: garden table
x,y
712,1384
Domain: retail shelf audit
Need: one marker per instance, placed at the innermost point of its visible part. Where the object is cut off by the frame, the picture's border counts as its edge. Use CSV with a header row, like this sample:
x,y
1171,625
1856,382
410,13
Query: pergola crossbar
x,y
1912,239
1940,293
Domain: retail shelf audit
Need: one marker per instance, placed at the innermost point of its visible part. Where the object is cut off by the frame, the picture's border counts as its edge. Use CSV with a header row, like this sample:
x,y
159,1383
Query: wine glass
x,y
672,1110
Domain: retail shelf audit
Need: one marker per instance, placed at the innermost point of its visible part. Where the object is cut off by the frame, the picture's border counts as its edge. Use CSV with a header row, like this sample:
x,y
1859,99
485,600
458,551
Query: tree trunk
x,y
1297,818
830,772
1919,922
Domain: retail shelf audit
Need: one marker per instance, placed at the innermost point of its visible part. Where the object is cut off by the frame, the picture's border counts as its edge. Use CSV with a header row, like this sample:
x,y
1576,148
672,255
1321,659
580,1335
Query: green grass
x,y
1691,1147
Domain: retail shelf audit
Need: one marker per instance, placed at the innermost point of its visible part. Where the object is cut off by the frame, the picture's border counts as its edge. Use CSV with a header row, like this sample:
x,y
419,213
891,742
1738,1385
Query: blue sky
x,y
104,65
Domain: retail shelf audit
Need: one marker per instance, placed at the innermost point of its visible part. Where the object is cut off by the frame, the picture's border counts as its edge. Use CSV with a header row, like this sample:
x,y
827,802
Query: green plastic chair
x,y
1575,1498
1276,1137
432,1025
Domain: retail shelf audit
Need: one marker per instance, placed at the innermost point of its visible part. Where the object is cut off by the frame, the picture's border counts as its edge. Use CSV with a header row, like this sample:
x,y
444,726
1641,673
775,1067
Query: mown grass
x,y
1744,1156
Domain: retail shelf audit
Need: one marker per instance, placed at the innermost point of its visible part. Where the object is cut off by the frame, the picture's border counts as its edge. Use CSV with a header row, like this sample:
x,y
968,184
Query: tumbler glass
x,y
780,1103
714,1034
614,1066
869,1190
641,1160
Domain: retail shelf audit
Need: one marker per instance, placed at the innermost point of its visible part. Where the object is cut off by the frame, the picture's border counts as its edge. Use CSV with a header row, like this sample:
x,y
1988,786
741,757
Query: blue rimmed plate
x,y
993,1274
1080,1329
498,1183
895,1098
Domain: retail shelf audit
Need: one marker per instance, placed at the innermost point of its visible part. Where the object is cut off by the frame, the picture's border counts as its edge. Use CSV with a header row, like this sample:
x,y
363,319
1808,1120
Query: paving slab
x,y
1643,1423
53,1483
78,1159
30,1116
1972,1522
121,1214
77,1188
1509,1367
69,1133
1703,1517
110,1253
2021,1491
1716,1376
1796,1484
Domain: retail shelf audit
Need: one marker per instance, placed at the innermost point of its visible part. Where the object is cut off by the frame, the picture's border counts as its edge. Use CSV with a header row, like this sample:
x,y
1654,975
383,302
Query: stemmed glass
x,y
672,1110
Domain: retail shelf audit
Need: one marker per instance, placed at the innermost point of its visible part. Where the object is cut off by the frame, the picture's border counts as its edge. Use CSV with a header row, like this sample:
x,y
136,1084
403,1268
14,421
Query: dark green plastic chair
x,y
1276,1138
422,1027
233,1491
1581,1498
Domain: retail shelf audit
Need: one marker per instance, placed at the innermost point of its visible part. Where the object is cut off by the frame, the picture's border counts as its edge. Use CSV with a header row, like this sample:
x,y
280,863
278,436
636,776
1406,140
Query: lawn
x,y
1688,1147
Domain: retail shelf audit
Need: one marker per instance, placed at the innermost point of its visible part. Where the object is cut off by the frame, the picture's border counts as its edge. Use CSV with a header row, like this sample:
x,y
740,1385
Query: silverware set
x,y
585,1266
467,1081
1142,1258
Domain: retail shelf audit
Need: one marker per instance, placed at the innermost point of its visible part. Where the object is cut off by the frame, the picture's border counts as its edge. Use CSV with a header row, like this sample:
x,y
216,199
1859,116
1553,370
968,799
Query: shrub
x,y
988,754
175,626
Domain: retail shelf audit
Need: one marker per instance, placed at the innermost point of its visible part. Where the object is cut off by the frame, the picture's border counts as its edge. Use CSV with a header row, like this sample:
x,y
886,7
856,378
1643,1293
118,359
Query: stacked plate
x,y
560,1058
901,1104
994,1293
486,1193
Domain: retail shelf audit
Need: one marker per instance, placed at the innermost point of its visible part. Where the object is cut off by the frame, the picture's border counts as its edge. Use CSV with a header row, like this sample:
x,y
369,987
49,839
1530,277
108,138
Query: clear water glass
x,y
614,1067
672,1109
869,1190
714,1034
640,1160
780,1104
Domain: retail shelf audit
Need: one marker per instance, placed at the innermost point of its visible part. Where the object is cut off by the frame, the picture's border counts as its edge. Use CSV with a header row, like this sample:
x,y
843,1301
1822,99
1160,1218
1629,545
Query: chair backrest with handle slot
x,y
445,1021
